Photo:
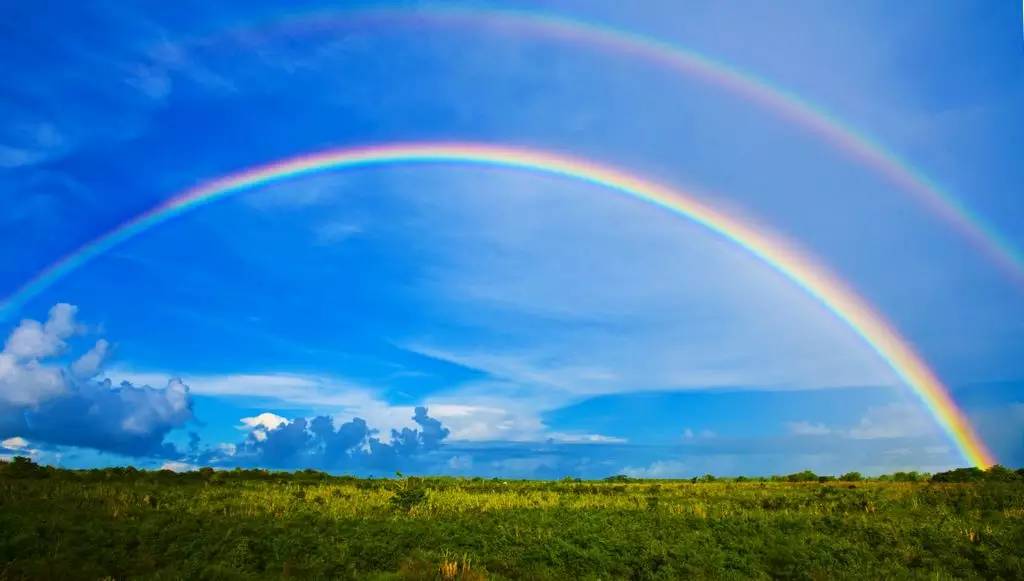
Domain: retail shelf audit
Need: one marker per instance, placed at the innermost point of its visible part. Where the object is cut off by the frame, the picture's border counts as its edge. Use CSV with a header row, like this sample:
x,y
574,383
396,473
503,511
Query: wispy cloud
x,y
890,421
562,284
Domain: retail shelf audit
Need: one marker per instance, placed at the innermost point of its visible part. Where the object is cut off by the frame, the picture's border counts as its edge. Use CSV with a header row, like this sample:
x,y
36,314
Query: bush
x,y
22,467
912,476
995,473
409,494
805,476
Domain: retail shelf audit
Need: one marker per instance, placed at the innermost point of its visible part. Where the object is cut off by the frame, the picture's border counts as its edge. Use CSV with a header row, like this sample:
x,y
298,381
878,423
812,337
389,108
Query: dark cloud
x,y
427,438
316,443
127,419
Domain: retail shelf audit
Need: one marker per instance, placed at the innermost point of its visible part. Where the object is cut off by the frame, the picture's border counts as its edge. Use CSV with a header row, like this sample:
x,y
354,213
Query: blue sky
x,y
547,327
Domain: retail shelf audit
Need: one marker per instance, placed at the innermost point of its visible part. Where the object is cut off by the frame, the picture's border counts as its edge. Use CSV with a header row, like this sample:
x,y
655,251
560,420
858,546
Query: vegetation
x,y
123,522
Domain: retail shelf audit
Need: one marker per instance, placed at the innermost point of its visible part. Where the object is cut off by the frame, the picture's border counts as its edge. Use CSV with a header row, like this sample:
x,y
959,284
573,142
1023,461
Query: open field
x,y
118,523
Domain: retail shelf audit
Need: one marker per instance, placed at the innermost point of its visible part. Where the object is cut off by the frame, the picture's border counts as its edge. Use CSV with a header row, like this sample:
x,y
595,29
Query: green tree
x,y
804,476
997,473
22,467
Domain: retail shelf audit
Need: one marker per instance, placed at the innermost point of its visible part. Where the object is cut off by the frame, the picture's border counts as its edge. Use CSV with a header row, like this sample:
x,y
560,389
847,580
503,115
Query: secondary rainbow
x,y
801,112
817,281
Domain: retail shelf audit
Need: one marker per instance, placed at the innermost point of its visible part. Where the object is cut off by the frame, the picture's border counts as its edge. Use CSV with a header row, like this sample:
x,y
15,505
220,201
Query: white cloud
x,y
659,469
88,365
51,403
477,412
804,428
35,340
897,420
327,394
460,463
148,408
894,420
565,438
24,379
23,384
15,443
523,369
18,446
485,411
264,421
705,434
297,389
176,466
484,422
568,286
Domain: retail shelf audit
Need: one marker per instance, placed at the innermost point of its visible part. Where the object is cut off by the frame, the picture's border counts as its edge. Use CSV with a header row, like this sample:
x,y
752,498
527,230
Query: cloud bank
x,y
46,402
275,442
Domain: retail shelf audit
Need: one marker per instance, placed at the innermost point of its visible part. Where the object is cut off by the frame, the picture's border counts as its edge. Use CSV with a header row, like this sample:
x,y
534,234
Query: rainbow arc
x,y
774,251
811,117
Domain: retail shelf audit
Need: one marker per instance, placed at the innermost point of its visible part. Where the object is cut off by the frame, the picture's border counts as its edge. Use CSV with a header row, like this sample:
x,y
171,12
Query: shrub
x,y
997,473
960,475
805,476
22,467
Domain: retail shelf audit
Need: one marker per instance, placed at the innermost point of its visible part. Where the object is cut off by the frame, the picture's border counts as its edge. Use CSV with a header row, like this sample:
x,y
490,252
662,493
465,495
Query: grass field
x,y
123,523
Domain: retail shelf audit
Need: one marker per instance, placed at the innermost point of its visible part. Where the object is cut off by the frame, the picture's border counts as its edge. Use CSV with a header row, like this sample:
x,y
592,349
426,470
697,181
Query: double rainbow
x,y
775,252
787,105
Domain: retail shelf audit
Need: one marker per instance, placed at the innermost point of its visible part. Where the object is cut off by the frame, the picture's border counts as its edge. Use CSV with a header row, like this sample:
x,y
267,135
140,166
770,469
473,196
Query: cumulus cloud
x,y
88,365
46,403
34,340
27,383
316,443
261,424
126,419
24,379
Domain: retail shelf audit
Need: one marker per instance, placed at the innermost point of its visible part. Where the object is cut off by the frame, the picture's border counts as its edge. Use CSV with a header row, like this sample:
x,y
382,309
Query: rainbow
x,y
803,113
774,251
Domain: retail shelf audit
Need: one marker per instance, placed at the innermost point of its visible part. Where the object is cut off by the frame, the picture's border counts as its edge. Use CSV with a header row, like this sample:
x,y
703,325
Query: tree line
x,y
23,467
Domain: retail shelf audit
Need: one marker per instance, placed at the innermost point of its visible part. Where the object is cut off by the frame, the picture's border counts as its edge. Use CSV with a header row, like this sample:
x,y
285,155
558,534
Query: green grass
x,y
120,524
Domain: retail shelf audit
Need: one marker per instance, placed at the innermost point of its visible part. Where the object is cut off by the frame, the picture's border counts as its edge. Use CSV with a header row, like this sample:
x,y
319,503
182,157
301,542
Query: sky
x,y
453,319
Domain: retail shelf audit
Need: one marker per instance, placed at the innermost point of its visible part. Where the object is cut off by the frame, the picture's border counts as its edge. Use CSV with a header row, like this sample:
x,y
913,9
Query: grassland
x,y
124,523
